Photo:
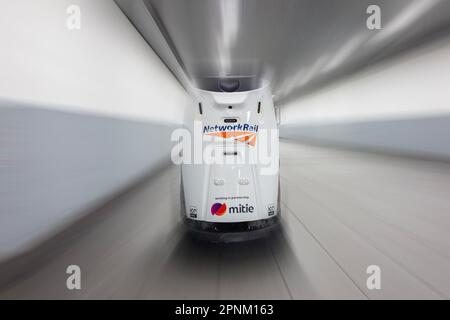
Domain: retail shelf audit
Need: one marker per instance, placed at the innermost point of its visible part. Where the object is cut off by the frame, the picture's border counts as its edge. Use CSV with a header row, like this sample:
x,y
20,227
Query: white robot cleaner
x,y
230,178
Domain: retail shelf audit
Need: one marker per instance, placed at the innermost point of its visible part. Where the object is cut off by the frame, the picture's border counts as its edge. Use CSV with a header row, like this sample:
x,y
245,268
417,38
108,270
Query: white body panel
x,y
239,189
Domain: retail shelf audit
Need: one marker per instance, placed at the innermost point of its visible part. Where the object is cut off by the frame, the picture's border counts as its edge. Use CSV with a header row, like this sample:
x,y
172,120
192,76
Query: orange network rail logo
x,y
242,136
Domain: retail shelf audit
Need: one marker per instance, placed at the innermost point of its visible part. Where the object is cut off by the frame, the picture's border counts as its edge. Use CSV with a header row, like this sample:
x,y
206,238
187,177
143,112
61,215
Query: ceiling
x,y
294,45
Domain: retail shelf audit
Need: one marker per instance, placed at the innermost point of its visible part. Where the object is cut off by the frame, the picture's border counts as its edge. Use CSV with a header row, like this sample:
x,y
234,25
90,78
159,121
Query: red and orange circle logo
x,y
218,209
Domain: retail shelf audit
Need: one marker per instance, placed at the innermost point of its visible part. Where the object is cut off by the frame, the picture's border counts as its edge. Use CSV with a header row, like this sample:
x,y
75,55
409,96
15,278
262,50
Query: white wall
x,y
401,106
56,166
105,67
83,114
413,85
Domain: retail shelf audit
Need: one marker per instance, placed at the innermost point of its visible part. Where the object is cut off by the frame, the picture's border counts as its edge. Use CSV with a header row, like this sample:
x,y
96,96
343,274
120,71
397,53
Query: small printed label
x,y
193,212
271,210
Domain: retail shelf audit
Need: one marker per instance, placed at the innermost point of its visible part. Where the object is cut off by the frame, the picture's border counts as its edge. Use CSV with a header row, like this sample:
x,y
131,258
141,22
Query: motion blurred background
x,y
85,172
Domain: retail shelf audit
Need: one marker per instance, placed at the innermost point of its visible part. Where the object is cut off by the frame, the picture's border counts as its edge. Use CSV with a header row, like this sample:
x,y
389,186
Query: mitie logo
x,y
219,209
